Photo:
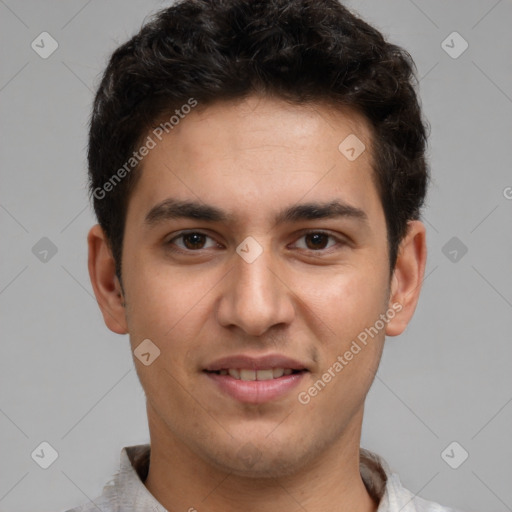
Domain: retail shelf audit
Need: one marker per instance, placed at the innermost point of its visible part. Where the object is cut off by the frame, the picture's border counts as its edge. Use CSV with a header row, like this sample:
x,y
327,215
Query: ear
x,y
407,277
105,282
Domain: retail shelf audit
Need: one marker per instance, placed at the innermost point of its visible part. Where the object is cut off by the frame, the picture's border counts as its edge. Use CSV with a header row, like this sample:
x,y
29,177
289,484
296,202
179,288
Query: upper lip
x,y
255,363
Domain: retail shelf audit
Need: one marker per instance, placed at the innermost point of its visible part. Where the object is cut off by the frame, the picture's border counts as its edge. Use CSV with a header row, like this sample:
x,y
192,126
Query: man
x,y
257,170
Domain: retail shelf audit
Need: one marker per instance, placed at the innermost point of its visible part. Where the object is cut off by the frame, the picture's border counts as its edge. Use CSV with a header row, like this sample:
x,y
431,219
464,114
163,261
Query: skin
x,y
253,158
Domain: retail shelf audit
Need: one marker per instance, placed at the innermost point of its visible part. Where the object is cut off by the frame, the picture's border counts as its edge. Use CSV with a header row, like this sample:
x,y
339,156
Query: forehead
x,y
260,153
239,129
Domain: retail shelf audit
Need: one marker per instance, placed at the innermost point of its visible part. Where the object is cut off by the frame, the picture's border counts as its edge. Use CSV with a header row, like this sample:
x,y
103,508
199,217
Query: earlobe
x,y
407,277
105,283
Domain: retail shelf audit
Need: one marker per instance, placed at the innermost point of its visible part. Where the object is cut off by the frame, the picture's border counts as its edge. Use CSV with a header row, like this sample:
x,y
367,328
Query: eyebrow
x,y
175,209
316,211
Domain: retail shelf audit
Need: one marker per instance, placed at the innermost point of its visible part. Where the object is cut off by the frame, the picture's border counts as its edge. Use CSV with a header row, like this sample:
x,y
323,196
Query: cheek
x,y
346,301
164,308
161,297
359,334
171,308
346,312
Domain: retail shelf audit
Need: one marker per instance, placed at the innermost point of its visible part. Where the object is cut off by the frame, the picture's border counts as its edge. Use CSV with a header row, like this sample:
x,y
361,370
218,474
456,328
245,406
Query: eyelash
x,y
170,244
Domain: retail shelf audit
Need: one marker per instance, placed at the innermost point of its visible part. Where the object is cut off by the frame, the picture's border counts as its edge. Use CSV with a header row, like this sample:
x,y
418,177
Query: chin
x,y
252,462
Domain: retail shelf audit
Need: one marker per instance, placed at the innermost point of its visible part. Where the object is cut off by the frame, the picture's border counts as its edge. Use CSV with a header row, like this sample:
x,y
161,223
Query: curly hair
x,y
301,51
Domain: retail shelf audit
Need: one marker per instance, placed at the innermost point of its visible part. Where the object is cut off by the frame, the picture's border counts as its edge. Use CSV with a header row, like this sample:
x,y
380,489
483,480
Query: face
x,y
251,235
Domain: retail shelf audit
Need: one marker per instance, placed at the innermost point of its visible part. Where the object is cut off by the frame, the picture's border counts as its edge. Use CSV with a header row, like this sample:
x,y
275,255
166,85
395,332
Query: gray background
x,y
67,380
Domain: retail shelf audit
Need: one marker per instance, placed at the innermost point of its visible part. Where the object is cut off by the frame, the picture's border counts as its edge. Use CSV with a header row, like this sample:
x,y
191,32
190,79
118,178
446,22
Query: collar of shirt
x,y
126,492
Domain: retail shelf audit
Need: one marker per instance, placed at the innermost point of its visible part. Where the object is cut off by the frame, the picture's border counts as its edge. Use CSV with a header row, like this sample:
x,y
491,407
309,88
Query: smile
x,y
255,386
251,375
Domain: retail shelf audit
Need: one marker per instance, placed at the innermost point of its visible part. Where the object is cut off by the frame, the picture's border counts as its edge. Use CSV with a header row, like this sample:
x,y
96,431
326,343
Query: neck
x,y
181,480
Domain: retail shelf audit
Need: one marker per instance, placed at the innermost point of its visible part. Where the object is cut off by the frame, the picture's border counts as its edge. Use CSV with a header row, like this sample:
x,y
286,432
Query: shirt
x,y
127,492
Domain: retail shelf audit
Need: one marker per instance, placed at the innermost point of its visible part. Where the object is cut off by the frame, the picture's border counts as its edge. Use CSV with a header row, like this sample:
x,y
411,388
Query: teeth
x,y
264,375
250,375
234,373
277,372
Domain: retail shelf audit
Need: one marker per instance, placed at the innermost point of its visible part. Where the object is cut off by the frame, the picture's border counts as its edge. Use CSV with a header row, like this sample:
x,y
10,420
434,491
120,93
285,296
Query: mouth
x,y
247,374
255,379
251,386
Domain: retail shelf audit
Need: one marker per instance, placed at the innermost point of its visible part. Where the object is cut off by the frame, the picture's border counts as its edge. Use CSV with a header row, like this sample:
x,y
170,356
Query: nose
x,y
255,296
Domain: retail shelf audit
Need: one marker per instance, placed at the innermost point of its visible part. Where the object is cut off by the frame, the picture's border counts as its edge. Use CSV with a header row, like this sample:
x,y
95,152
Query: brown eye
x,y
317,240
191,241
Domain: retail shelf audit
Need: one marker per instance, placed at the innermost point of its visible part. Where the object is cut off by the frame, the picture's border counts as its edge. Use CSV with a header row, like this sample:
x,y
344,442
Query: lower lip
x,y
256,391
